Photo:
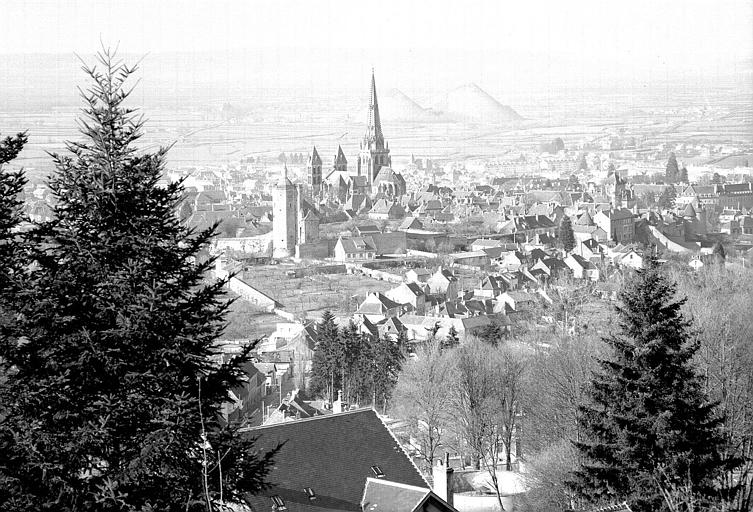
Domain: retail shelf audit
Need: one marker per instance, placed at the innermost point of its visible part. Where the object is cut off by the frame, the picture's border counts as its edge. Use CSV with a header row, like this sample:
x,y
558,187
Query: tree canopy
x,y
565,234
648,423
113,386
672,172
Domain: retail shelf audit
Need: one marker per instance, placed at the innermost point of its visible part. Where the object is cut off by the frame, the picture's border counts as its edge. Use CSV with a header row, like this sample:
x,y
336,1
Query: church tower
x,y
284,217
314,172
616,189
340,163
375,153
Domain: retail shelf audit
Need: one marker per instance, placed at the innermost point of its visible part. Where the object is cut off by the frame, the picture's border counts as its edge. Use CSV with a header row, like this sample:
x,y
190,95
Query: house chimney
x,y
443,480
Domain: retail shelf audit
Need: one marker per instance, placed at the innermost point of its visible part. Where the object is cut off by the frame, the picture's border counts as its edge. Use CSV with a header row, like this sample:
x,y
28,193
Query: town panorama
x,y
357,276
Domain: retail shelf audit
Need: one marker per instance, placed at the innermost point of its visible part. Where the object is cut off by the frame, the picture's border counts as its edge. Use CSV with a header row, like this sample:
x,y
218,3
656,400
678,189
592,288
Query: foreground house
x,y
348,461
383,495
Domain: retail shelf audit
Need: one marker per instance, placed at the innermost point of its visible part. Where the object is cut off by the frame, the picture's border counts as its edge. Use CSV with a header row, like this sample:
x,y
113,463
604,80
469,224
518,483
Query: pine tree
x,y
355,366
672,172
328,358
12,261
387,356
565,235
667,198
647,417
491,333
113,394
683,176
11,186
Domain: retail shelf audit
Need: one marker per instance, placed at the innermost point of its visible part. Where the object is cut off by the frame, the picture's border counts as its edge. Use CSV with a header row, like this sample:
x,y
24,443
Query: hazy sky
x,y
491,42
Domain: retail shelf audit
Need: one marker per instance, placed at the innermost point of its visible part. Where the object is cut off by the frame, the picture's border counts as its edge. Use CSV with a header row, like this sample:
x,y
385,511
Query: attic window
x,y
278,503
377,471
310,493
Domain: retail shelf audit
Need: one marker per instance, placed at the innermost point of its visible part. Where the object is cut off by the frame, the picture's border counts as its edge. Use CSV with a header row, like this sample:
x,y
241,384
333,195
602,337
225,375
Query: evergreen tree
x,y
491,333
647,418
672,172
387,361
12,262
355,366
113,395
667,198
11,186
326,378
683,176
565,235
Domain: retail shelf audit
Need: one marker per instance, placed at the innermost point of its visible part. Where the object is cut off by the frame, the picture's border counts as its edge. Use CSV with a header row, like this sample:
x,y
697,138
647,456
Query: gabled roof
x,y
376,304
391,326
332,455
411,223
394,242
357,244
584,220
617,214
292,406
486,242
447,274
492,283
412,288
385,496
584,263
366,229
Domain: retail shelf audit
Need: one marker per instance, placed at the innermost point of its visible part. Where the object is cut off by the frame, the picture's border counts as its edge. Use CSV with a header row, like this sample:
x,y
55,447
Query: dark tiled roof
x,y
394,242
333,455
385,496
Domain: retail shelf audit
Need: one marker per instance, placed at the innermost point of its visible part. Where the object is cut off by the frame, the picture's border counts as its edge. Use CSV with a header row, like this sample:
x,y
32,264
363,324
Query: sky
x,y
502,44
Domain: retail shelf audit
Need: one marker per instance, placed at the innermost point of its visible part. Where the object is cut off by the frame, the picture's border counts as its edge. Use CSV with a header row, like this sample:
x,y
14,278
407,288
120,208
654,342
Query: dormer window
x,y
377,471
278,503
310,493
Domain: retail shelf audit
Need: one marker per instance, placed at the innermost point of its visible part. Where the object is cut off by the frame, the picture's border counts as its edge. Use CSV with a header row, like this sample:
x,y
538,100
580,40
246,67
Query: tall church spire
x,y
375,153
374,126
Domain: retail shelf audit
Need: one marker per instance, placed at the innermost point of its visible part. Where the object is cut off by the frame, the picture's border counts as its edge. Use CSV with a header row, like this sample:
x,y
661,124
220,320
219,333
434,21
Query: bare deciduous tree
x,y
488,398
422,399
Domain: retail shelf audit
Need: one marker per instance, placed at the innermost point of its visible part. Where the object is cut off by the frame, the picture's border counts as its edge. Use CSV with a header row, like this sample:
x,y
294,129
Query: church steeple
x,y
314,172
374,124
375,153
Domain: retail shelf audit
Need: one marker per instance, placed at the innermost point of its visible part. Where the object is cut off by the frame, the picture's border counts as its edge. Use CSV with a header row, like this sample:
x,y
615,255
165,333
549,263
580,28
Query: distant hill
x,y
397,106
471,103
